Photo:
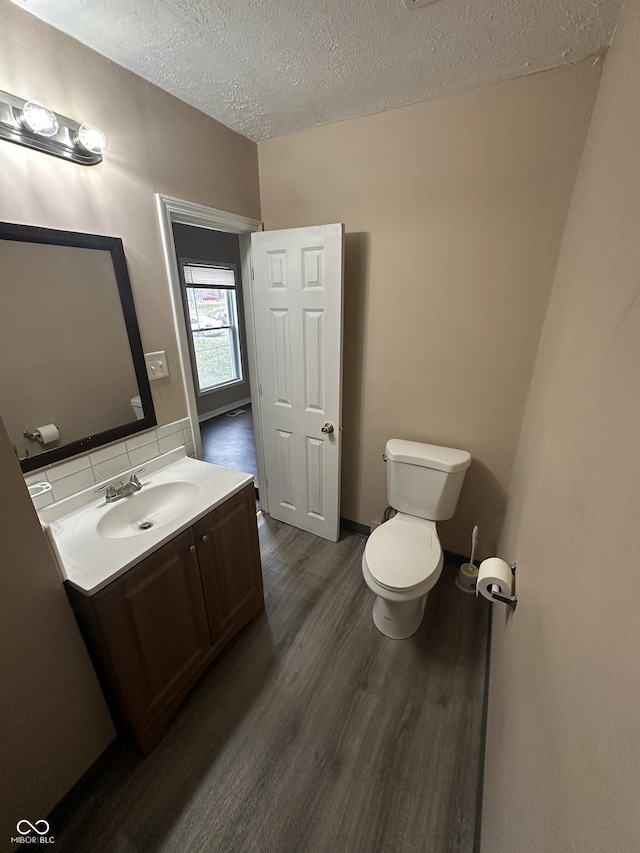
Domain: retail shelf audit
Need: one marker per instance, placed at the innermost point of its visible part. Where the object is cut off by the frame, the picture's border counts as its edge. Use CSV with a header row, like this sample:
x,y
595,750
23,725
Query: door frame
x,y
174,210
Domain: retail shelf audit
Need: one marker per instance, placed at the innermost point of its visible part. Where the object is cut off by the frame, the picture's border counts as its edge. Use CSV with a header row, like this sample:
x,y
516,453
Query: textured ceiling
x,y
272,67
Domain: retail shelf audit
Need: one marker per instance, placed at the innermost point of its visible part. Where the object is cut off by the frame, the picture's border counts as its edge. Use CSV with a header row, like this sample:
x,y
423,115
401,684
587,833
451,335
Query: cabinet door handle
x,y
192,548
205,538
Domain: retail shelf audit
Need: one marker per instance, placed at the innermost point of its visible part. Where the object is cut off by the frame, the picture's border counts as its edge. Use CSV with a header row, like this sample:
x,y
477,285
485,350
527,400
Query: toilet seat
x,y
403,553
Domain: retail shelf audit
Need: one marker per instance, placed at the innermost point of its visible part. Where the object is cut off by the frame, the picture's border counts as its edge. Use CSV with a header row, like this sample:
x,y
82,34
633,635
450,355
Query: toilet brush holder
x,y
467,577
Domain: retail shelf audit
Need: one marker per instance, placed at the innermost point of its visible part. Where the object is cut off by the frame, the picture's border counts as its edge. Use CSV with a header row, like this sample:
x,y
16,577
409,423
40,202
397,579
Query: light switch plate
x,y
156,362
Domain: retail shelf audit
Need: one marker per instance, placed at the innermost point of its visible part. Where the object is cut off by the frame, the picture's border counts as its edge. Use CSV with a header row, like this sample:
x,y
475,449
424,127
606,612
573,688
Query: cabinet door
x,y
154,623
229,555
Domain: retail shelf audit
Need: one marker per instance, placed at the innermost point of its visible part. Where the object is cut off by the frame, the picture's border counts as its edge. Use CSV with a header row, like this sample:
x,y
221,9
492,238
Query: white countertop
x,y
89,561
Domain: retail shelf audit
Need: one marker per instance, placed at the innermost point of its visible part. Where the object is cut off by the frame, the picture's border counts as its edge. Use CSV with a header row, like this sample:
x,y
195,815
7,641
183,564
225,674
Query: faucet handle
x,y
133,478
111,491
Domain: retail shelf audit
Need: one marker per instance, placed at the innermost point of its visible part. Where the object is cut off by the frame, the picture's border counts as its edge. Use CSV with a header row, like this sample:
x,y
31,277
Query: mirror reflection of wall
x,y
64,351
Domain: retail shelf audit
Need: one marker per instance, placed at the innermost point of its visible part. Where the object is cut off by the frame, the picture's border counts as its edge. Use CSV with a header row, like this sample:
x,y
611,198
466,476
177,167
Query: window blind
x,y
201,276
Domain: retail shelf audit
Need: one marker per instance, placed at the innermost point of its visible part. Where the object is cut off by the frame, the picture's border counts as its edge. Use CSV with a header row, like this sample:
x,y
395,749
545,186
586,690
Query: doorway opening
x,y
210,272
172,212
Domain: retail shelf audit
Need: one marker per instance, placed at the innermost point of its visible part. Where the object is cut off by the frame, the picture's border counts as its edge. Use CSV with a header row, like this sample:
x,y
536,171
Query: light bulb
x,y
39,119
91,138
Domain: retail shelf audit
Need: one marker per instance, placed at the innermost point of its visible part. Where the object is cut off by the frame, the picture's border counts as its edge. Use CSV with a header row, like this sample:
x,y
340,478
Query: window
x,y
211,310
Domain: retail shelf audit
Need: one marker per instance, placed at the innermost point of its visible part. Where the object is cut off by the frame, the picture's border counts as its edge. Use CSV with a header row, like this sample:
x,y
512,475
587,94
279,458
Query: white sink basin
x,y
95,542
149,508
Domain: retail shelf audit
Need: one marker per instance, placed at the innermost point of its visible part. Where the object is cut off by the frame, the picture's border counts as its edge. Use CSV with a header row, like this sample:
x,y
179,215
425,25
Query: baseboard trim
x,y
354,527
454,557
477,833
223,410
61,813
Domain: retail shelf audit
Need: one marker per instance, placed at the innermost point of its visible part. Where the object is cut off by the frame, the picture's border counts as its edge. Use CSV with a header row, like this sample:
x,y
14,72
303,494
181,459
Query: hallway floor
x,y
229,442
312,732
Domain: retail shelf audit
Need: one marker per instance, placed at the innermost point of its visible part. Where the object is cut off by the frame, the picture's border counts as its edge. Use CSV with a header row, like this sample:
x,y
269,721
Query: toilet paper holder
x,y
510,600
44,434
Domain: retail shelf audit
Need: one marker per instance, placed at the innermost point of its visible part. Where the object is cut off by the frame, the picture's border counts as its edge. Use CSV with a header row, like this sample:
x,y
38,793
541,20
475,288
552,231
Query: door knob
x,y
327,429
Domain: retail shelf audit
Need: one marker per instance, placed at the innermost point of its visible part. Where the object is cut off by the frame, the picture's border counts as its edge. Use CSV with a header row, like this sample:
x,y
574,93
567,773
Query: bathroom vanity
x,y
156,604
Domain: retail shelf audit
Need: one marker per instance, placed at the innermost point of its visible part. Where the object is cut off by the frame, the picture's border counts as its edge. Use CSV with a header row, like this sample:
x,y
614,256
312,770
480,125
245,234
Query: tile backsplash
x,y
79,473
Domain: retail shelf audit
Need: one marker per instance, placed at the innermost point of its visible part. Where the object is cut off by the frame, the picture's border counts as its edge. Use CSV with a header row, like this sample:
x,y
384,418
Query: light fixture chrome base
x,y
62,144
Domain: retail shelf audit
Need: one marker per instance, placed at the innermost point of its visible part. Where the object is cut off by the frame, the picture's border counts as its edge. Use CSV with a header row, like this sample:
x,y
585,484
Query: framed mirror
x,y
72,370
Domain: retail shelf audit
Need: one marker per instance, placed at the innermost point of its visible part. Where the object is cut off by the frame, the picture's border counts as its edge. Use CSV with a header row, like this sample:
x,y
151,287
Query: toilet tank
x,y
424,479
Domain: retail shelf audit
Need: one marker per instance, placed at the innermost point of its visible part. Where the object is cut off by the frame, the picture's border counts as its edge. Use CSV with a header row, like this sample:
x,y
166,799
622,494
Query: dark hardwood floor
x,y
311,733
229,442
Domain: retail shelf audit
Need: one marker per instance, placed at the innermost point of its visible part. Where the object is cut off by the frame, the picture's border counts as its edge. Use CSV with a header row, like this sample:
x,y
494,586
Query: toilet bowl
x,y
402,561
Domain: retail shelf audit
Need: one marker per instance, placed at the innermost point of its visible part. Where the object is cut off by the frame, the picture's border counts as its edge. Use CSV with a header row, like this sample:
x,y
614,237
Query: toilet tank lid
x,y
428,455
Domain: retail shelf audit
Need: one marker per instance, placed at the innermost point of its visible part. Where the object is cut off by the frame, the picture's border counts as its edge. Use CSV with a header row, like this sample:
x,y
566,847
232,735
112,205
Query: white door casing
x,y
297,302
173,210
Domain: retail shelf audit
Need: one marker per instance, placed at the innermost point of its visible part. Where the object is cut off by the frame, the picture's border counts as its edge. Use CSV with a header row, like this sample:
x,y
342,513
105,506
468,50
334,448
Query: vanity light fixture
x,y
39,119
33,124
90,138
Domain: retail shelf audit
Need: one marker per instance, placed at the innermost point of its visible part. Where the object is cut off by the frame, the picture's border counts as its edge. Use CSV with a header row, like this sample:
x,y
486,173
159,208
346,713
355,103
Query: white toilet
x,y
403,558
136,405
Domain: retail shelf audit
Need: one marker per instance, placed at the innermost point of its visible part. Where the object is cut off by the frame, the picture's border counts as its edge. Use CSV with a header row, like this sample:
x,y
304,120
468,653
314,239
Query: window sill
x,y
209,391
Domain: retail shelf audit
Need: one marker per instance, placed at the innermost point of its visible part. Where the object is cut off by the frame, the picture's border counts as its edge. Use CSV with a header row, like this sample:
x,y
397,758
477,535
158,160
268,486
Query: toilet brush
x,y
468,573
474,542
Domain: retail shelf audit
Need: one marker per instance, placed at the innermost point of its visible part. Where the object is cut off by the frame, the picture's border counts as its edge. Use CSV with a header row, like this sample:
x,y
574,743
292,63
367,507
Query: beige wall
x,y
156,144
54,720
454,211
563,754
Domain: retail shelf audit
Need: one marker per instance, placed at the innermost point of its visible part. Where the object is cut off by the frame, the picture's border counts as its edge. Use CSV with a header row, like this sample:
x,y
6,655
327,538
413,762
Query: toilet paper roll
x,y
494,570
47,433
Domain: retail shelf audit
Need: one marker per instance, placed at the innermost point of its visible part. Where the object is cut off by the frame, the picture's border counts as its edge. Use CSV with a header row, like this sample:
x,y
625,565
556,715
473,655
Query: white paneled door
x,y
297,295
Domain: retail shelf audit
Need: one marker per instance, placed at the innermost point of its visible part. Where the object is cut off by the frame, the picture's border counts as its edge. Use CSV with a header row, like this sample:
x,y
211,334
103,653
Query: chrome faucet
x,y
114,493
132,486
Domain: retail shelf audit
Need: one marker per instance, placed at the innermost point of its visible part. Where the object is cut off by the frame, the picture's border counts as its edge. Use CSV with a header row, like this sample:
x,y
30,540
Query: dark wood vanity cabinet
x,y
153,631
225,539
